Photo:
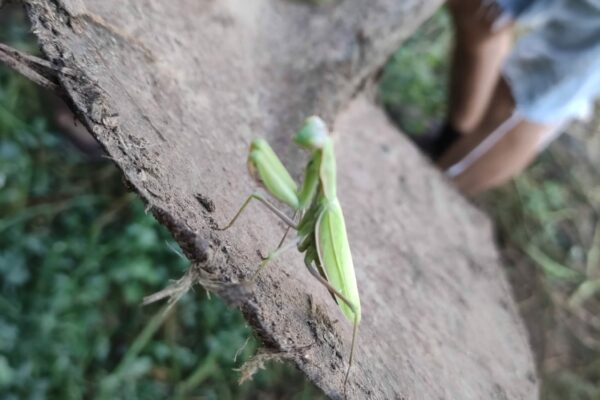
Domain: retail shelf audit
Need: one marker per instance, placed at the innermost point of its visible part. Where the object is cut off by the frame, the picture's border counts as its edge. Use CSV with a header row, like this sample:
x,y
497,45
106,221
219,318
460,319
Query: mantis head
x,y
313,134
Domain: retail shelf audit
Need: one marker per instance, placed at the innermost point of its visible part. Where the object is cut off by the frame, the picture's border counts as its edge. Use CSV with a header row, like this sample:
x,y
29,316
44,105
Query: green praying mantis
x,y
318,217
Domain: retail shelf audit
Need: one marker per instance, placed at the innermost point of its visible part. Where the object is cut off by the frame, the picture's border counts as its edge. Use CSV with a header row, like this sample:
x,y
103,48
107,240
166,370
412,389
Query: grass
x,y
412,88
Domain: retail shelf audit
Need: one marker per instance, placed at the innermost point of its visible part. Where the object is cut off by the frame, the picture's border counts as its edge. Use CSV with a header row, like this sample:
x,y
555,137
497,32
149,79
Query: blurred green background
x,y
78,253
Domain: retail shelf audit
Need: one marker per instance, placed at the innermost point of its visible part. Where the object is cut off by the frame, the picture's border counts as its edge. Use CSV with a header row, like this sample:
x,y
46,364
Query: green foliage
x,y
570,386
413,88
77,255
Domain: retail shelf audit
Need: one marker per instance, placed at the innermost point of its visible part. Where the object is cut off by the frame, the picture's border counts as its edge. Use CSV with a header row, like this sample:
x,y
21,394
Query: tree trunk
x,y
175,90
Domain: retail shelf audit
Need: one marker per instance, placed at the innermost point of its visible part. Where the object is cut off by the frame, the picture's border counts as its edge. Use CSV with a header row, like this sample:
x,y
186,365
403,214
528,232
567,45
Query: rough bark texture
x,y
175,90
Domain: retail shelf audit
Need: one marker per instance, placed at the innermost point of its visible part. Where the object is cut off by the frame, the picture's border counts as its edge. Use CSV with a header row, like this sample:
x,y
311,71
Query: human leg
x,y
551,76
477,57
505,141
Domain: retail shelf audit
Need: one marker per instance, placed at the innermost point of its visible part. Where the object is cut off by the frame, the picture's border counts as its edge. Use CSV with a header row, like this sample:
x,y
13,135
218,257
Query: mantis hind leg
x,y
343,298
268,204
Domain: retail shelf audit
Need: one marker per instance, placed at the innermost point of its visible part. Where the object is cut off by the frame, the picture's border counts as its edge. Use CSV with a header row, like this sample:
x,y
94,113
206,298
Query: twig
x,y
36,69
237,353
592,269
29,73
33,60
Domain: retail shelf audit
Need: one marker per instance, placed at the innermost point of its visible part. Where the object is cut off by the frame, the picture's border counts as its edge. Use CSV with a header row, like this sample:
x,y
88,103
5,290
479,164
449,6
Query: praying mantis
x,y
320,226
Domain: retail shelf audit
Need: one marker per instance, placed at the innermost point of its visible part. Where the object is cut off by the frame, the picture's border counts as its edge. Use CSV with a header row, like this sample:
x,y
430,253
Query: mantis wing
x,y
335,257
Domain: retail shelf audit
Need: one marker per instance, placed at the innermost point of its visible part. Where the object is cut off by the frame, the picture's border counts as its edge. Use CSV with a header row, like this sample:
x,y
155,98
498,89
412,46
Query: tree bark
x,y
175,90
